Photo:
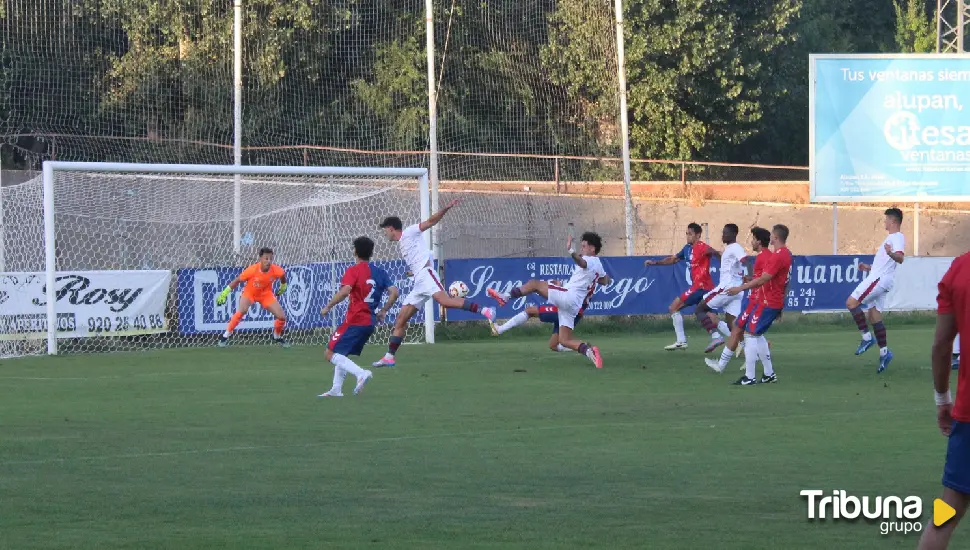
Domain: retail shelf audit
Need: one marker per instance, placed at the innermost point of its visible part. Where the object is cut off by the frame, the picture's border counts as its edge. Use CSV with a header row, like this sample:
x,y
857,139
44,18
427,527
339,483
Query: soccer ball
x,y
458,289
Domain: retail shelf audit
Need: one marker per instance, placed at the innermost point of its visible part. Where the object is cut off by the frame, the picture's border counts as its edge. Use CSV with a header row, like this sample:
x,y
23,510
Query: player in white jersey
x,y
871,293
427,286
569,298
731,275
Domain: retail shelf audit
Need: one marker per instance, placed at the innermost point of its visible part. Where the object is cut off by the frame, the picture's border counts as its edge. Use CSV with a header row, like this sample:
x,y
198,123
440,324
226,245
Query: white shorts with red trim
x,y
426,284
569,303
719,300
872,292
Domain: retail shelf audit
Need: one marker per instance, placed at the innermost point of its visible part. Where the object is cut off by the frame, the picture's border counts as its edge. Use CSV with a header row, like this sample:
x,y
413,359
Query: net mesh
x,y
132,224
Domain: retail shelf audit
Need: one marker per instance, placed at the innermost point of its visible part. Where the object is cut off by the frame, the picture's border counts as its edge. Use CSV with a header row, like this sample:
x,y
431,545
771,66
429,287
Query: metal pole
x,y
237,126
50,246
432,125
961,21
624,128
939,25
916,229
835,229
425,212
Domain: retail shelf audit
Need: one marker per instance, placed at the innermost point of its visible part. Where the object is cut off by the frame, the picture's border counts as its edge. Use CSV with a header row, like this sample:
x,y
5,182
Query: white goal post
x,y
165,231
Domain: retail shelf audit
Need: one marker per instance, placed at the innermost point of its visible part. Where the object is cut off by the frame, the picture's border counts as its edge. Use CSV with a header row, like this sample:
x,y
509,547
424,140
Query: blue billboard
x,y
818,283
889,128
310,287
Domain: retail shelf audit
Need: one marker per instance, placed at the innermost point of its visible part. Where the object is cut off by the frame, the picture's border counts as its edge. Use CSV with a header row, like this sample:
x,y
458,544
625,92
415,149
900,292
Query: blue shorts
x,y
757,318
956,471
693,296
350,339
550,314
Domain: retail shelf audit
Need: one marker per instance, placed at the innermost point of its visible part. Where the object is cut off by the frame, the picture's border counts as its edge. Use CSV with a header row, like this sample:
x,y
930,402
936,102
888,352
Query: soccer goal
x,y
107,256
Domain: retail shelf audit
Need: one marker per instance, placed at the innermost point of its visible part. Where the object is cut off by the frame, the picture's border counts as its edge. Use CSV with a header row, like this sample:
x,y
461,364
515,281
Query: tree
x,y
915,32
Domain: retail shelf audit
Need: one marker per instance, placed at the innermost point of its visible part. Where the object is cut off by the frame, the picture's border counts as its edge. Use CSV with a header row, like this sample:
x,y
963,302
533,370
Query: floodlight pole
x,y
952,20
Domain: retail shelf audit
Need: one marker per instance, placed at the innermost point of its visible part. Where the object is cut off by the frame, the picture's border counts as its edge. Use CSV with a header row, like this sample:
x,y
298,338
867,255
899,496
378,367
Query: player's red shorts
x,y
264,298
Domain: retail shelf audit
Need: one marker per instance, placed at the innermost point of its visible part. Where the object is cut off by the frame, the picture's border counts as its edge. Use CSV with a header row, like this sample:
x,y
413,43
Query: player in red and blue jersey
x,y
764,306
365,284
952,317
698,254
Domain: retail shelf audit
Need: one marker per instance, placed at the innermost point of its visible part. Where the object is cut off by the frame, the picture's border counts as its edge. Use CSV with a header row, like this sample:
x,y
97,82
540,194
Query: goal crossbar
x,y
51,167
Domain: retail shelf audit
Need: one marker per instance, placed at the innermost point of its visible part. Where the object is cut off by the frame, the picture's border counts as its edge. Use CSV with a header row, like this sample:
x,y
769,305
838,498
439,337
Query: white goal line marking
x,y
692,424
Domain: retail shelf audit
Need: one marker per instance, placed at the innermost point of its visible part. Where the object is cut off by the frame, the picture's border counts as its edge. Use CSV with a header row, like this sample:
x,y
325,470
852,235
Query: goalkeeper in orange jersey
x,y
259,279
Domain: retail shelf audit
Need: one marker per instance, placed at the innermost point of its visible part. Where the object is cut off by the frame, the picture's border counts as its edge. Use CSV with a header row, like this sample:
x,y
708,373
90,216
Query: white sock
x,y
389,356
560,347
226,334
726,356
589,354
338,378
883,351
867,336
724,329
345,364
679,326
764,353
751,357
519,318
956,345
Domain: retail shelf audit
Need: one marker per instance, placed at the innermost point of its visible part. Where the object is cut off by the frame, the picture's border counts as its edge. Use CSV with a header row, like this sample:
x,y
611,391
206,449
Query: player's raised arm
x,y
604,280
578,258
669,260
436,217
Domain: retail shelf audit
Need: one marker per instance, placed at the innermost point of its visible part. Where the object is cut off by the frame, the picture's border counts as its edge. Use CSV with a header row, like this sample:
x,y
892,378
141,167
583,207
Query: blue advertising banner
x,y
889,128
818,283
310,287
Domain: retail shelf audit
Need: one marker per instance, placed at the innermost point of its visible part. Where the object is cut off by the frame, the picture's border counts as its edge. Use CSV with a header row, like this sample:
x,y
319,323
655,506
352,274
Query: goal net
x,y
141,251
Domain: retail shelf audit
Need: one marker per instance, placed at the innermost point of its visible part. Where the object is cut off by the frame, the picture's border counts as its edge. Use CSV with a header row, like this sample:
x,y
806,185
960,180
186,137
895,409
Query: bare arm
x,y
436,217
578,259
605,280
234,283
755,283
340,296
392,294
946,331
669,260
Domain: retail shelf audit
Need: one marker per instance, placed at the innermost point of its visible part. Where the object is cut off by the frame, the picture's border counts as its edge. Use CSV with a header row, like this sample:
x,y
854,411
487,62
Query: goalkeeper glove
x,y
281,290
223,296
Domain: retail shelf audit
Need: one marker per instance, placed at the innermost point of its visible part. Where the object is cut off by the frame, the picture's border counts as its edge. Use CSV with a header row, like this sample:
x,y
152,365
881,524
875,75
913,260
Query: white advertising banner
x,y
88,303
916,283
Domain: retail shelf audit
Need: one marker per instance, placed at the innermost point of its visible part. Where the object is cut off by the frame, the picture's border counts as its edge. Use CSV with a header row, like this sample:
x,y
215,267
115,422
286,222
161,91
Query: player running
x,y
952,317
698,254
569,298
872,291
761,312
365,284
259,279
732,275
417,256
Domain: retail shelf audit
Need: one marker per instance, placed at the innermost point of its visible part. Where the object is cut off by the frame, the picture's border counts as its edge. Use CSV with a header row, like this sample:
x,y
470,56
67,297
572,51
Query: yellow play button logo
x,y
942,512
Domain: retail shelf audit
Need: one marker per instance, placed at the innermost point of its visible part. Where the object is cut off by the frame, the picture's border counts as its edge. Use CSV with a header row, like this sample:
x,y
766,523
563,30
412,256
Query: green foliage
x,y
915,32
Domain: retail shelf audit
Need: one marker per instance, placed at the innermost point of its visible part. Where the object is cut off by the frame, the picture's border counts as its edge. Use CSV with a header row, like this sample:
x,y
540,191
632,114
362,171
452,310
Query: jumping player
x,y
259,279
569,299
546,313
761,312
872,291
732,275
417,256
698,254
953,317
365,284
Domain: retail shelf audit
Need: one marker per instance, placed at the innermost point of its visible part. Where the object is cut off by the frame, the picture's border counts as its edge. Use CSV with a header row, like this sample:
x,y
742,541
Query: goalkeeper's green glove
x,y
223,296
281,290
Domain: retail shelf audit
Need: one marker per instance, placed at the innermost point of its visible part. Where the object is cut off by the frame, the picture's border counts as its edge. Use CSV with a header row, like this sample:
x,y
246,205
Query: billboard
x,y
889,128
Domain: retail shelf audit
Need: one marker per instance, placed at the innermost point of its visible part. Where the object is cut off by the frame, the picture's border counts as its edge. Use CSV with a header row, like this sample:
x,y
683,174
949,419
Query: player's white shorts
x,y
872,292
568,303
426,284
719,300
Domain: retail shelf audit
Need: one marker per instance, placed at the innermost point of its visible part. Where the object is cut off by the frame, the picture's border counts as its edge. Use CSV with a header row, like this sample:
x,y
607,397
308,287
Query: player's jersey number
x,y
370,295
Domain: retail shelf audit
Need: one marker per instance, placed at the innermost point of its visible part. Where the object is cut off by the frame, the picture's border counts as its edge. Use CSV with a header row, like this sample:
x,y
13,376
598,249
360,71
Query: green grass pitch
x,y
495,443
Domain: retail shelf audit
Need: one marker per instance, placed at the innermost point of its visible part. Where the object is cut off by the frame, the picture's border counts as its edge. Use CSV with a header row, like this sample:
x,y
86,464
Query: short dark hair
x,y
732,229
695,228
593,240
895,214
265,250
780,231
393,222
762,234
364,248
